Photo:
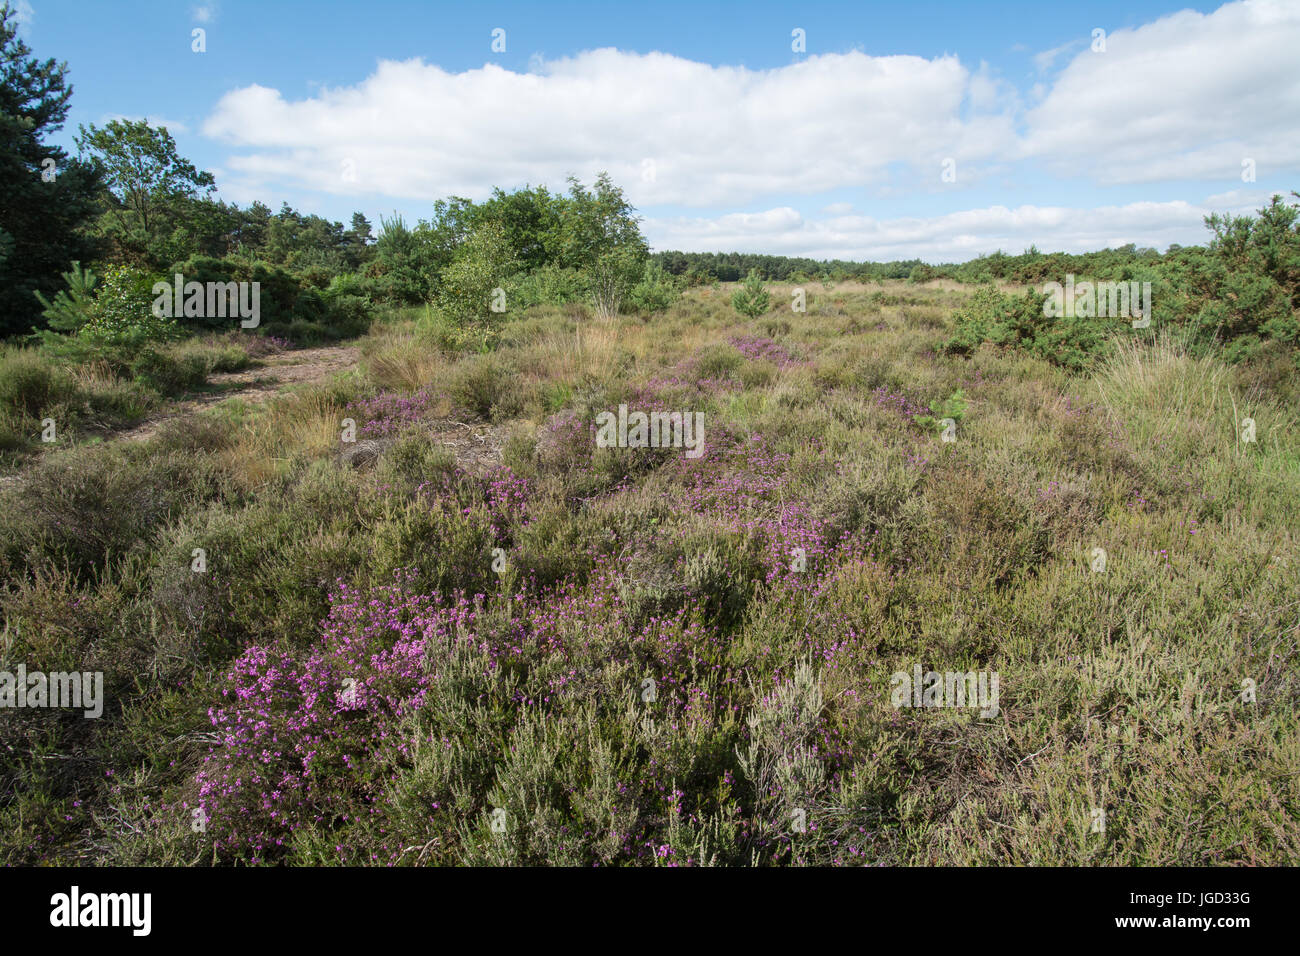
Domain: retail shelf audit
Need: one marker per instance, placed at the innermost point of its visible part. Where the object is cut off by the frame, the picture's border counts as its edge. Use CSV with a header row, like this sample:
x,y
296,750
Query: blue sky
x,y
723,135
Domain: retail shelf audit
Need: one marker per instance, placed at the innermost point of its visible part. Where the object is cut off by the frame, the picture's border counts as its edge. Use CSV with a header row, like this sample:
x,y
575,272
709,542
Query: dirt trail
x,y
304,366
257,384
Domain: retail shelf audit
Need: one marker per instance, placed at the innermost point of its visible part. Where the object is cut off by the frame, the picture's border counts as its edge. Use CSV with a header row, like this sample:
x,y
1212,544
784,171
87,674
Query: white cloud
x,y
207,13
716,135
1045,59
157,122
954,237
24,16
1186,97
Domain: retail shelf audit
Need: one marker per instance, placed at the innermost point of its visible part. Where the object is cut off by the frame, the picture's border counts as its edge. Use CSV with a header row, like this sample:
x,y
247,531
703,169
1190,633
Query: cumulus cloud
x,y
669,129
1186,97
954,237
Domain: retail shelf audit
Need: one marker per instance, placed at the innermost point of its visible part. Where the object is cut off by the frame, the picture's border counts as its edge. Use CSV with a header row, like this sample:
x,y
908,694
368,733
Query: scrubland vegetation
x,y
524,689
416,614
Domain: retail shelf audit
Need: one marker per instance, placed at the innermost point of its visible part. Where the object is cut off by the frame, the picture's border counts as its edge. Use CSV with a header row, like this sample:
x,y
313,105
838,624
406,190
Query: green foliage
x,y
954,407
548,285
1019,321
1241,291
530,221
152,188
46,198
1245,288
406,262
657,289
751,298
290,308
81,508
74,306
610,277
169,373
123,314
485,387
28,383
466,290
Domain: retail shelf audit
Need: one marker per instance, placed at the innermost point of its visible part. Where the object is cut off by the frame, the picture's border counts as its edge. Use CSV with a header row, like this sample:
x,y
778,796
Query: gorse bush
x,y
1241,291
1020,322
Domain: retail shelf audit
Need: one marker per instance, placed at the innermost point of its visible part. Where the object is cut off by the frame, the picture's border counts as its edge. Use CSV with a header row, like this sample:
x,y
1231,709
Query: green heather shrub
x,y
486,387
80,507
30,383
169,373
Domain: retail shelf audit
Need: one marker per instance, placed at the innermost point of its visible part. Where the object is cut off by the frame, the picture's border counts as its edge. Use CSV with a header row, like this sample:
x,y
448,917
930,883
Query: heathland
x,y
497,539
475,636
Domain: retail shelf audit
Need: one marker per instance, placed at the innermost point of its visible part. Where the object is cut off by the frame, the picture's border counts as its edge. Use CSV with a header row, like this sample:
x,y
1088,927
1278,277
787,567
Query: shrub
x,y
953,407
72,307
81,507
751,298
169,373
29,382
657,289
123,314
465,292
1019,321
484,386
609,278
547,285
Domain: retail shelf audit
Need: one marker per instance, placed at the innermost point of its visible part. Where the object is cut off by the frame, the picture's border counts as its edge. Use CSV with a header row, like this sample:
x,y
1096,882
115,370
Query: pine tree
x,y
47,198
751,298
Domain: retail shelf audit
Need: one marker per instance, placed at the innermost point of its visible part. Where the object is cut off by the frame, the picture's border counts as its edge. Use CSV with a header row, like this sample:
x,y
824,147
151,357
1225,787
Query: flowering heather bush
x,y
739,482
311,743
681,661
759,347
389,412
295,739
898,402
566,441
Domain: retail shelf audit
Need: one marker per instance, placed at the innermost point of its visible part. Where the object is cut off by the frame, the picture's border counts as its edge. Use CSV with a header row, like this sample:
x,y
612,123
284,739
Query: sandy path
x,y
256,384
